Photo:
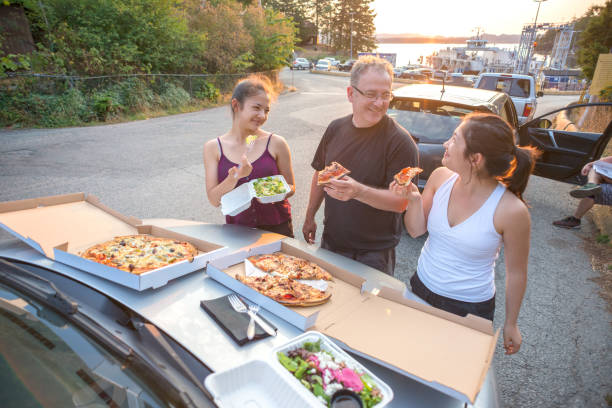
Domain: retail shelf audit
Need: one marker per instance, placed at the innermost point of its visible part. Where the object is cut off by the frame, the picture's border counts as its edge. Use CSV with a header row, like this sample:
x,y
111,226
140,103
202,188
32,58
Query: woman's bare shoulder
x,y
439,176
278,143
512,212
211,148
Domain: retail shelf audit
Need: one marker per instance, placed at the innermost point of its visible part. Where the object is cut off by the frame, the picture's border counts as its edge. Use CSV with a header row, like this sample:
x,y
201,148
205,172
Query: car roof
x,y
453,94
505,75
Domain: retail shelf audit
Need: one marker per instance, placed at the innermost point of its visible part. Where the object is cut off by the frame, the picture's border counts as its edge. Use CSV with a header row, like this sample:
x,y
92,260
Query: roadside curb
x,y
348,74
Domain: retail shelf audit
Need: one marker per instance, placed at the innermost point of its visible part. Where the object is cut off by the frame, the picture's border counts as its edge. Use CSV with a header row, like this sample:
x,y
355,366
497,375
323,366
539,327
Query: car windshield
x,y
426,127
47,362
430,121
512,86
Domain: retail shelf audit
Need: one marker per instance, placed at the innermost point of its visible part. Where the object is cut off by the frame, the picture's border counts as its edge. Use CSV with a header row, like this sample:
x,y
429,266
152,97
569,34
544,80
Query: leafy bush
x,y
173,96
135,95
67,109
606,94
106,104
207,91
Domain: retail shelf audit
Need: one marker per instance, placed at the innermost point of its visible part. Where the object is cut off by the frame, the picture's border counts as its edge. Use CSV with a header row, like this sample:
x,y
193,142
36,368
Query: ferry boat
x,y
475,58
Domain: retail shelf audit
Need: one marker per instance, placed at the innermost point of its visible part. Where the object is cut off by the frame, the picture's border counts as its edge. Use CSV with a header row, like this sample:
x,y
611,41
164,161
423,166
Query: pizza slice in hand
x,y
405,176
332,172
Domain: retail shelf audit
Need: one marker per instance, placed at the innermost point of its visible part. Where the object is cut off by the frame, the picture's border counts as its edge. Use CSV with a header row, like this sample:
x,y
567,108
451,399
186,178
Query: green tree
x,y
596,38
318,11
273,36
94,37
298,11
221,26
362,17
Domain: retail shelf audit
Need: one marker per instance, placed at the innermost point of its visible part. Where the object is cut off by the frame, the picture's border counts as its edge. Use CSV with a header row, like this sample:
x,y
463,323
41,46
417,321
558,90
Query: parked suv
x,y
323,65
521,89
300,63
431,117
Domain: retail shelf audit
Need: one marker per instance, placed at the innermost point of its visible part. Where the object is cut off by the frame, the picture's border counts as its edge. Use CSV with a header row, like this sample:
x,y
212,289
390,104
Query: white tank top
x,y
459,262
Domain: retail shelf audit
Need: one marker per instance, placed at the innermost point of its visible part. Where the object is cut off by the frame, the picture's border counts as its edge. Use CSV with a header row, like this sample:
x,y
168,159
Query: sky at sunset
x,y
458,18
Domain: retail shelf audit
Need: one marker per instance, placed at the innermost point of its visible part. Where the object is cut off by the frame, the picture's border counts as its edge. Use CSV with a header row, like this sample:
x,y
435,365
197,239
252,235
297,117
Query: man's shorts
x,y
605,197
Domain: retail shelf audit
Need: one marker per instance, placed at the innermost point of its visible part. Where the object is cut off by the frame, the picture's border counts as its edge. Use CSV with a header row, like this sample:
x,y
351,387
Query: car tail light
x,y
527,110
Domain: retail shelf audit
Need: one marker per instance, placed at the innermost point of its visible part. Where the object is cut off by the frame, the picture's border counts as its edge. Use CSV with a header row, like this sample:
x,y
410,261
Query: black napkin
x,y
234,323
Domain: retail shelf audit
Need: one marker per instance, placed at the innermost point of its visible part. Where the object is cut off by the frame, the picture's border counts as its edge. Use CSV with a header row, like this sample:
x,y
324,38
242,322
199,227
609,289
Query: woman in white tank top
x,y
471,207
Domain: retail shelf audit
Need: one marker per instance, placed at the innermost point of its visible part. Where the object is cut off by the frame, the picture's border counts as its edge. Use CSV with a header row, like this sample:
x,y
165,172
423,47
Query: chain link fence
x,y
52,84
50,100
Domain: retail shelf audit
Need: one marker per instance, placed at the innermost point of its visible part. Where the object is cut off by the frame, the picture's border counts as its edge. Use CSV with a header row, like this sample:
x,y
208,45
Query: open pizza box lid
x,y
239,199
61,227
449,353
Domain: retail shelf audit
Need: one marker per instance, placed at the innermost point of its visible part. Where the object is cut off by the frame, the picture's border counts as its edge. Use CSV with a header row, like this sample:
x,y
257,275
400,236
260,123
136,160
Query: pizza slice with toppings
x,y
284,290
334,171
405,176
290,266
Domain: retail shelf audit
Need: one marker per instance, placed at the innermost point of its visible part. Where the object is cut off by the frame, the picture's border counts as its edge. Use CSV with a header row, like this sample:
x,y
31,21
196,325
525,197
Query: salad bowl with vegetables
x,y
269,189
323,369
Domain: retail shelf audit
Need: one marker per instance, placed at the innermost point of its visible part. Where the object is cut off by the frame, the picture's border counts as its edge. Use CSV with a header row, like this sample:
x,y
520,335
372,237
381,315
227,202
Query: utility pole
x,y
535,33
351,13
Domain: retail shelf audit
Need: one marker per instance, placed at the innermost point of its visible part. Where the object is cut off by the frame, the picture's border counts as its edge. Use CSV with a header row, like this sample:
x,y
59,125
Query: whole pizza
x,y
285,290
289,266
332,172
140,253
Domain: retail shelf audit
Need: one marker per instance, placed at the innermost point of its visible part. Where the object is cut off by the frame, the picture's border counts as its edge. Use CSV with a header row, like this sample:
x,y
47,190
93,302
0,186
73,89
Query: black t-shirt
x,y
373,155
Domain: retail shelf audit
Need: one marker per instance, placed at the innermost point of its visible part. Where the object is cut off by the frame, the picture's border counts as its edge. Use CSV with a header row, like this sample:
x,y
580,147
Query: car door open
x,y
568,138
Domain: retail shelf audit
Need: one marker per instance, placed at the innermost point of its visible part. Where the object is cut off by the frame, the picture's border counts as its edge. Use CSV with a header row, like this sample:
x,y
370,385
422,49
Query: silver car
x,y
300,63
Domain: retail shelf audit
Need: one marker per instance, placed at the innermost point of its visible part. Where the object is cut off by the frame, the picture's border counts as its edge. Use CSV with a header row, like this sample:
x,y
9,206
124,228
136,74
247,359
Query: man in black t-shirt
x,y
362,217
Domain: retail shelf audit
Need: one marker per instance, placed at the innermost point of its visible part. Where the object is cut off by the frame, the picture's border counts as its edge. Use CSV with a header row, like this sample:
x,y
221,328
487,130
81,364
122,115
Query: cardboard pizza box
x,y
449,353
61,227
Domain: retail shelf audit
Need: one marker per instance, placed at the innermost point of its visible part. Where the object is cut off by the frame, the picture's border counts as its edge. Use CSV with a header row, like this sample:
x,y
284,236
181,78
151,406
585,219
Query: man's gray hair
x,y
370,62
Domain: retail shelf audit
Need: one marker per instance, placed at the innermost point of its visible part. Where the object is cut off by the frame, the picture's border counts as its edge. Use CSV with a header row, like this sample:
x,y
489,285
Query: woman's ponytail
x,y
517,177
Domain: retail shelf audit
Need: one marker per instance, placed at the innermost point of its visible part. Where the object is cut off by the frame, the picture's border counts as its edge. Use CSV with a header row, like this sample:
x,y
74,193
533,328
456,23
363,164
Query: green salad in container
x,y
268,186
323,374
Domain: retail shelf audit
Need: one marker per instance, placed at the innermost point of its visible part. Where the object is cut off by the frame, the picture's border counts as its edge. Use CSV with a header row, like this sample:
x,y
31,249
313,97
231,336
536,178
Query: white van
x,y
521,89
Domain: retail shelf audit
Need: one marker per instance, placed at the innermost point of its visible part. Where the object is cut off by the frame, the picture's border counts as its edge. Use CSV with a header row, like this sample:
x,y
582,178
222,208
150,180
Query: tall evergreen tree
x,y
359,13
319,11
299,11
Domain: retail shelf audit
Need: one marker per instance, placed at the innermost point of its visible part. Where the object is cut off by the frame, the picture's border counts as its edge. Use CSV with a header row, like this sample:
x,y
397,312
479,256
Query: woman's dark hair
x,y
251,86
493,137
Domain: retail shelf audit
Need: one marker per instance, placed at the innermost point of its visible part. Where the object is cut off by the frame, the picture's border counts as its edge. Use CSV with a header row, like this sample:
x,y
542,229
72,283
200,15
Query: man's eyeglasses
x,y
372,95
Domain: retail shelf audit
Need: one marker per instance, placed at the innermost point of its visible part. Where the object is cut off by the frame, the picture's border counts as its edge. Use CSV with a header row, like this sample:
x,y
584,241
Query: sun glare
x,y
459,18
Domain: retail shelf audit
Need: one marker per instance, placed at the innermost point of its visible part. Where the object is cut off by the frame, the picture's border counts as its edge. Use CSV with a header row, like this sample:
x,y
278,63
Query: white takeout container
x,y
339,355
239,199
255,384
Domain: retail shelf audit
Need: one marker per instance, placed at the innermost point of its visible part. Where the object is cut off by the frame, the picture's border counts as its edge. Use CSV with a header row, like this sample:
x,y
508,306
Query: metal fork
x,y
253,310
241,308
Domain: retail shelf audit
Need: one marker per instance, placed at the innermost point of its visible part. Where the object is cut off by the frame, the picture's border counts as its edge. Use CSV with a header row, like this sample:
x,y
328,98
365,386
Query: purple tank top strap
x,y
268,144
220,147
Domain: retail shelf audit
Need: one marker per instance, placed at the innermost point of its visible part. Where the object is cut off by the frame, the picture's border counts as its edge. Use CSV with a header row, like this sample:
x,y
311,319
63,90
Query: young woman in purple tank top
x,y
480,155
229,161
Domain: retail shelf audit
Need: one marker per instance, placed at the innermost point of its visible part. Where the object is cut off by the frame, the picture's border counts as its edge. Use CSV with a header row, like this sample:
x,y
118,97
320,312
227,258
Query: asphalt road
x,y
153,168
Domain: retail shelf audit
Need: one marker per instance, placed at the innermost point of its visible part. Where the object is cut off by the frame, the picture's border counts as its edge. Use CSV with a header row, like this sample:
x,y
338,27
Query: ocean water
x,y
410,53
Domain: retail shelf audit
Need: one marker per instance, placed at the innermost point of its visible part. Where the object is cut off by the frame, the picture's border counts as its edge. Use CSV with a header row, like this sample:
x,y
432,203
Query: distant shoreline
x,y
509,39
